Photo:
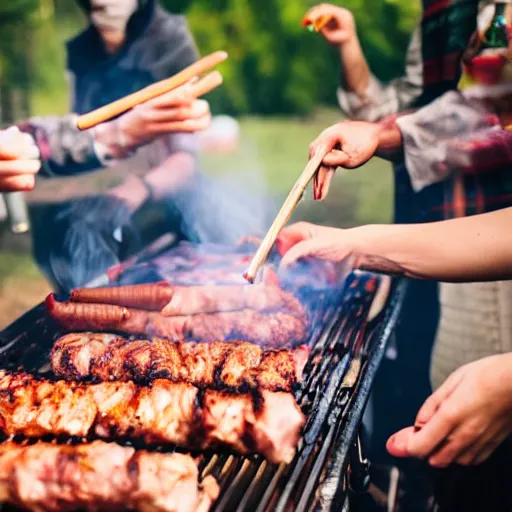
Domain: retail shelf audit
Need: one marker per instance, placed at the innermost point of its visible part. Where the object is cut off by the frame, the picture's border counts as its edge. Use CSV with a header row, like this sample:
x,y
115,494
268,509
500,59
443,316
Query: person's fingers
x,y
292,235
14,145
325,246
21,183
336,158
312,14
301,250
484,452
433,402
199,109
459,441
433,433
482,447
322,184
180,96
327,139
397,443
196,110
14,167
189,126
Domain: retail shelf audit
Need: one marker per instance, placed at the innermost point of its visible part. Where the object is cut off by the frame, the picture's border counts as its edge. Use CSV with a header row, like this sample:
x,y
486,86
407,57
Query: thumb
x,y
397,443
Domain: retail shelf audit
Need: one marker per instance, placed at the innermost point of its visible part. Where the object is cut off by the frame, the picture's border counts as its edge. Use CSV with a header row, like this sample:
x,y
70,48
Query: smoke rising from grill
x,y
96,233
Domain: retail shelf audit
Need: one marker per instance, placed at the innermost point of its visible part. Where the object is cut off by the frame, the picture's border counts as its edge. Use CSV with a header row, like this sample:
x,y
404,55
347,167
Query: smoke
x,y
76,241
223,208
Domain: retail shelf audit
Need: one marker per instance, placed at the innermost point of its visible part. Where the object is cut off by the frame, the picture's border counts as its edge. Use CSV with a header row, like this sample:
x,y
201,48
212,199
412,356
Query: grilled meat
x,y
191,300
267,423
273,329
101,476
151,297
218,365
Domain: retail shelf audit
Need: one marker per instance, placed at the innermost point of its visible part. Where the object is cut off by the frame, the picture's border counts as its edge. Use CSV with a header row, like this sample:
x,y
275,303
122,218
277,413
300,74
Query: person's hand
x,y
340,29
19,161
350,144
304,240
175,111
465,420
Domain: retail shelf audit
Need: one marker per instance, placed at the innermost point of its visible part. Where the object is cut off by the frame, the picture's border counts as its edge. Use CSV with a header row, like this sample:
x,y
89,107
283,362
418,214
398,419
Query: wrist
x,y
379,248
112,138
389,136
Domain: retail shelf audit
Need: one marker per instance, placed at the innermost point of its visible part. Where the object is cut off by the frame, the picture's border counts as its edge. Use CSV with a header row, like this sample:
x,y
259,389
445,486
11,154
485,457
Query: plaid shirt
x,y
470,173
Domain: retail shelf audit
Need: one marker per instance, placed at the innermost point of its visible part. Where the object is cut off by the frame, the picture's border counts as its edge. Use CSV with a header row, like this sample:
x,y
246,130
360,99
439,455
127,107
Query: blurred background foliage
x,y
280,80
275,67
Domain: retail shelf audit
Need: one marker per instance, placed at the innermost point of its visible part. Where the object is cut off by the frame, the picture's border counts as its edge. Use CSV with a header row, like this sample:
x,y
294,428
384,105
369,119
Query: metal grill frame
x,y
335,393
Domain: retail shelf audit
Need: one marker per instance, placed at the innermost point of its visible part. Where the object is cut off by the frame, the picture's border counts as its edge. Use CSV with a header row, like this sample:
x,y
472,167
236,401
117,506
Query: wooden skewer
x,y
10,167
284,214
115,108
206,84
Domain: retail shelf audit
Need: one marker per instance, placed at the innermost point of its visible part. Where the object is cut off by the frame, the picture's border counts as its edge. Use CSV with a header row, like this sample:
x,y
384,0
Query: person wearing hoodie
x,y
127,45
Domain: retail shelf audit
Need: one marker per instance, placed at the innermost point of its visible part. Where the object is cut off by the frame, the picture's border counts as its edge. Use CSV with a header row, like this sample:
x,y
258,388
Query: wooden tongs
x,y
201,87
285,213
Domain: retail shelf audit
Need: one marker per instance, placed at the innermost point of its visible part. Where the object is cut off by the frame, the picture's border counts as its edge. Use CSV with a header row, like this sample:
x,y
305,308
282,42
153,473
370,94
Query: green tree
x,y
277,67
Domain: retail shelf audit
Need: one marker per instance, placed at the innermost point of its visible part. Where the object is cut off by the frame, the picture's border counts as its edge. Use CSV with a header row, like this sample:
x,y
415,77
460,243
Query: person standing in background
x,y
403,379
127,46
433,69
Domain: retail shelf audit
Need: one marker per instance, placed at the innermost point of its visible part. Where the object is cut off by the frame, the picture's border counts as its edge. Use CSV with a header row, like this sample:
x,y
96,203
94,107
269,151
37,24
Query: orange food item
x,y
316,24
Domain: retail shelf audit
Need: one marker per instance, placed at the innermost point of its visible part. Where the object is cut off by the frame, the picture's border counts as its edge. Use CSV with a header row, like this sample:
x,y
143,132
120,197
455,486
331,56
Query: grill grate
x,y
346,352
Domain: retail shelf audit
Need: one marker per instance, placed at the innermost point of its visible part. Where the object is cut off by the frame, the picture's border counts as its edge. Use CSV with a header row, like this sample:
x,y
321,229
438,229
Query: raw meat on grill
x,y
101,476
261,422
174,300
275,329
218,365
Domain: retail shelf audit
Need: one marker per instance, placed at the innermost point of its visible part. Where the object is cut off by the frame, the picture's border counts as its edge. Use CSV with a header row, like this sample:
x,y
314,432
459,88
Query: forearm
x,y
474,248
164,180
356,72
390,139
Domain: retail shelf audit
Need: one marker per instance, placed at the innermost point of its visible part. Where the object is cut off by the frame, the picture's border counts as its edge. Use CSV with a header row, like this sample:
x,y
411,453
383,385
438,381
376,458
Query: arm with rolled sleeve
x,y
380,100
64,149
459,132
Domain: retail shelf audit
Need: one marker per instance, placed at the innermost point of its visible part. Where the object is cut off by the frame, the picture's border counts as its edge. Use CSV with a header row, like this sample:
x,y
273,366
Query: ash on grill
x,y
346,349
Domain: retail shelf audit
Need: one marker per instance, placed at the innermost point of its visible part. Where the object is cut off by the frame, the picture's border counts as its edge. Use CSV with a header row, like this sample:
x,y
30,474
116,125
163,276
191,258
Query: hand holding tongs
x,y
285,213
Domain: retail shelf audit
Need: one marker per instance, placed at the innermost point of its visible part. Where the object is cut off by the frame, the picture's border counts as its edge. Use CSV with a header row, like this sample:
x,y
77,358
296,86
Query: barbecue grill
x,y
347,346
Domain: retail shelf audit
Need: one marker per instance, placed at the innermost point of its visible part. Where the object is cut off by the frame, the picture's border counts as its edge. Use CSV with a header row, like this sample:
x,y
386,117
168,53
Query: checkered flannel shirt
x,y
479,178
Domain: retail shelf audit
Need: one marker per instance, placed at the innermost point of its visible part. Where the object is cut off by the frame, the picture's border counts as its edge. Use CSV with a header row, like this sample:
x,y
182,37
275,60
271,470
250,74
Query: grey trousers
x,y
476,321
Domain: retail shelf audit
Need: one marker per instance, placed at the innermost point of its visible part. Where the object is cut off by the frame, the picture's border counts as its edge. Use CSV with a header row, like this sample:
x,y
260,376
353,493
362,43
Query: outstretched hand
x,y
465,420
304,240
